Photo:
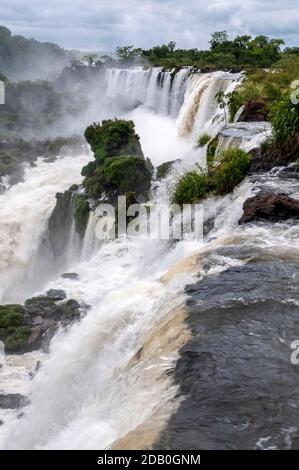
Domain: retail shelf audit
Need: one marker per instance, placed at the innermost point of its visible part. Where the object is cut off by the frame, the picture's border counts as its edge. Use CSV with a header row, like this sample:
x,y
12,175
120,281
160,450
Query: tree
x,y
171,46
127,52
220,98
219,40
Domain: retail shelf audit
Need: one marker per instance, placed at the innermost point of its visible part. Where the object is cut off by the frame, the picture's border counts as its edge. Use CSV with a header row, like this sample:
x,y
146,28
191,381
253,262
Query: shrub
x,y
18,340
211,150
284,117
119,164
203,139
191,188
221,179
126,174
10,316
113,138
231,170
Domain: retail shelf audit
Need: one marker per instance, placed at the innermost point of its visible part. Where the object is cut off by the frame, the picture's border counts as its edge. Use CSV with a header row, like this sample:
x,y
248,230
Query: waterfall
x,y
25,209
155,88
245,135
109,378
90,242
200,111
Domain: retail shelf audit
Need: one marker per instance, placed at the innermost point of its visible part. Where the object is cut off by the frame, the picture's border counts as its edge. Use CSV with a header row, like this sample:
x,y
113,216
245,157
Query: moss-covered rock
x,y
113,138
81,213
126,174
18,340
13,332
60,223
29,327
164,169
119,164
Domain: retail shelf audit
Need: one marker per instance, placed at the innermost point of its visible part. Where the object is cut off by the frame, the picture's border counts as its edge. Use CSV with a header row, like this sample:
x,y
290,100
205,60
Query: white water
x,y
25,209
245,135
91,389
200,113
152,88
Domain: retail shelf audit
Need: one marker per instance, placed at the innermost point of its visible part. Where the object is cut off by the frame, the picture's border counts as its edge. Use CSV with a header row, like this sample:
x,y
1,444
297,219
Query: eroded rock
x,y
270,206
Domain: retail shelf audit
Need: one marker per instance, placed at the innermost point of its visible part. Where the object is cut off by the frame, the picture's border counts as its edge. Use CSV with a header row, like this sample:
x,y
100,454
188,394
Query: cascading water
x,y
200,112
107,381
245,135
25,209
155,88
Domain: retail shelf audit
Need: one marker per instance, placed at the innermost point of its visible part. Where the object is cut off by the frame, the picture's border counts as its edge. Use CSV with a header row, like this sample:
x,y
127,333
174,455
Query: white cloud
x,y
104,24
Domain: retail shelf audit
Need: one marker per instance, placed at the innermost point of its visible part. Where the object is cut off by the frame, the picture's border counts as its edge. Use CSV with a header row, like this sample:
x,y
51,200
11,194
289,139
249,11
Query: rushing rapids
x,y
142,366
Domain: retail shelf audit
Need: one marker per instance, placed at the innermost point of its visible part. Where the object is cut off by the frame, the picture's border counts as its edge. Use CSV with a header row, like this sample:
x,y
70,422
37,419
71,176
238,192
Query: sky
x,y
103,25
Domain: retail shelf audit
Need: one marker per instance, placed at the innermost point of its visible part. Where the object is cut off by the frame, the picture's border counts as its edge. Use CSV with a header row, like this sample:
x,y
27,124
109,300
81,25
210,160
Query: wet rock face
x,y
239,386
254,110
12,401
60,223
270,206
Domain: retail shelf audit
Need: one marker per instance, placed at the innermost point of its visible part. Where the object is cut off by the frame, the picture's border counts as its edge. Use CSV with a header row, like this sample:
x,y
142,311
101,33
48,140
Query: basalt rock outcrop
x,y
119,165
270,206
31,326
254,110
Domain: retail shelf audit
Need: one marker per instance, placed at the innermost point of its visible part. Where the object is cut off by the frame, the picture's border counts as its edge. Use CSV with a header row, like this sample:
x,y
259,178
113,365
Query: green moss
x,y
12,330
203,139
18,340
232,169
191,188
11,315
81,213
126,174
89,169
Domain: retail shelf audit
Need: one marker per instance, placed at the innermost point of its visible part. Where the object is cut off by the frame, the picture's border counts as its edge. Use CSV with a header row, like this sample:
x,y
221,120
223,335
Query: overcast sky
x,y
105,24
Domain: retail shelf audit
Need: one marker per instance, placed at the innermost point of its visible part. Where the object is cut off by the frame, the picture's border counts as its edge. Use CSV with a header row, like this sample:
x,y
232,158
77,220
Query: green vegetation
x,y
284,118
211,150
33,108
124,173
225,53
81,213
232,169
203,139
13,332
266,86
119,164
27,58
269,93
221,179
113,138
164,169
18,340
191,187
